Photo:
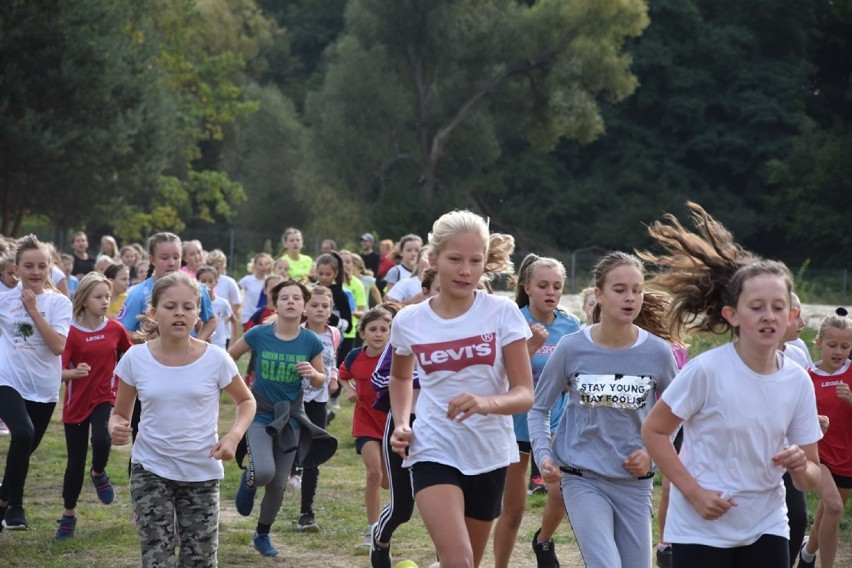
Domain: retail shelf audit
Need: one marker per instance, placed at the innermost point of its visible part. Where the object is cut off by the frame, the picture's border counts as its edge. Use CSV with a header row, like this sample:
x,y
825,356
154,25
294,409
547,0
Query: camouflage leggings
x,y
159,503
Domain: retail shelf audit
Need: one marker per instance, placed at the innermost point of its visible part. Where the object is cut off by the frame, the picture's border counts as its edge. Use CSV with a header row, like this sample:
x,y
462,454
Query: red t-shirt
x,y
366,420
99,349
835,448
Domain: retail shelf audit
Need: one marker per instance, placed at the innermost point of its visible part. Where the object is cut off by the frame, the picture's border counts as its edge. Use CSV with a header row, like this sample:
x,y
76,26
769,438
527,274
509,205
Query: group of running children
x,y
493,384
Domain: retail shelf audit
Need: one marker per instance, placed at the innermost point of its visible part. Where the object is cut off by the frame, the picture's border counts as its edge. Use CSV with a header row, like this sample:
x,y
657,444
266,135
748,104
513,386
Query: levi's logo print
x,y
457,354
280,367
628,392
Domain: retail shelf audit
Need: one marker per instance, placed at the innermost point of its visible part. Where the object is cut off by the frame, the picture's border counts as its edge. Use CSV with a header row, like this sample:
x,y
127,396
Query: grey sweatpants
x,y
611,519
269,467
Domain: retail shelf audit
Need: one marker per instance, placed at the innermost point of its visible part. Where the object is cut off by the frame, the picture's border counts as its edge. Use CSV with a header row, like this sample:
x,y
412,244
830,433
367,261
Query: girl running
x,y
471,353
119,277
176,459
91,352
284,354
832,377
34,323
748,412
409,249
613,371
368,424
538,291
300,264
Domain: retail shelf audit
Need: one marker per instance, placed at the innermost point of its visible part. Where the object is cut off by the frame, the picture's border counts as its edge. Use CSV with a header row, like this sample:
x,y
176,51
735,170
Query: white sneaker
x,y
368,537
295,482
4,430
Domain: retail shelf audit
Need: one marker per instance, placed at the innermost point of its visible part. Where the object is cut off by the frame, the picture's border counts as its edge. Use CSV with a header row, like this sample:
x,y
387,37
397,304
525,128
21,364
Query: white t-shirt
x,y
223,312
26,362
228,289
180,412
800,343
793,352
252,288
397,274
453,356
735,420
405,289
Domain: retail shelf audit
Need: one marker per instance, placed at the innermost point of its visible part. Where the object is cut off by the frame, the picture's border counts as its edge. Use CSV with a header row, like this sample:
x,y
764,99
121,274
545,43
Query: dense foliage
x,y
570,124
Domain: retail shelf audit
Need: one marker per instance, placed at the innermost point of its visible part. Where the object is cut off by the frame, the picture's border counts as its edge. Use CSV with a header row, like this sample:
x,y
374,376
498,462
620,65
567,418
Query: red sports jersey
x,y
99,349
366,420
835,448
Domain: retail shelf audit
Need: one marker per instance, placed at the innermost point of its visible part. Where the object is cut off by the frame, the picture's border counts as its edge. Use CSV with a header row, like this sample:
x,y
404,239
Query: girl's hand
x,y
638,463
81,370
793,459
353,397
539,336
823,423
120,430
466,405
844,394
28,299
550,471
400,440
225,448
711,504
305,369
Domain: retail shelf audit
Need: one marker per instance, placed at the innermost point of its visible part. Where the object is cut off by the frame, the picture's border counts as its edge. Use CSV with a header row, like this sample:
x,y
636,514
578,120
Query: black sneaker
x,y
664,556
802,562
15,519
379,557
307,523
545,552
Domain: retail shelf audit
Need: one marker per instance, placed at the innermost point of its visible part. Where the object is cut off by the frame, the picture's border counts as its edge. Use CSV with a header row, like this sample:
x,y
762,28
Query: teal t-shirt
x,y
276,377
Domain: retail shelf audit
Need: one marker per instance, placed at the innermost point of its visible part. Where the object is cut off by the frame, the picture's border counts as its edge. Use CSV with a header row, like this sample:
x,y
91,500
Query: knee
x,y
457,561
833,507
374,476
512,516
263,476
22,433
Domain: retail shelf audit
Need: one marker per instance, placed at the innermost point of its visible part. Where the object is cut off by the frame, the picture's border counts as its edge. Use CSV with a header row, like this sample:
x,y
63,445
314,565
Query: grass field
x,y
106,538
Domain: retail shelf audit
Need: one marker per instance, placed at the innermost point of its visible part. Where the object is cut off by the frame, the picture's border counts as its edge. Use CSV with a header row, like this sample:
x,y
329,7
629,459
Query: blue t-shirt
x,y
276,377
564,324
138,298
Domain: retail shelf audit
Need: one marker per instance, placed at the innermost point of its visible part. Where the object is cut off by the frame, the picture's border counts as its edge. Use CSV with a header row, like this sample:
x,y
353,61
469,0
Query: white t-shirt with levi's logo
x,y
454,356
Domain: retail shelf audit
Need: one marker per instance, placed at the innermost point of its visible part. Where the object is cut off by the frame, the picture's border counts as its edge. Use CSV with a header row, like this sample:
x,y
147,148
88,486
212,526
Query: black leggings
x,y
310,475
769,551
27,422
401,505
77,443
797,517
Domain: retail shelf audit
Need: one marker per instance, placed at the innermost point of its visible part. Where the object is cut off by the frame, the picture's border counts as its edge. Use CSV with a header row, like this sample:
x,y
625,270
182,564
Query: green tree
x,y
84,117
417,95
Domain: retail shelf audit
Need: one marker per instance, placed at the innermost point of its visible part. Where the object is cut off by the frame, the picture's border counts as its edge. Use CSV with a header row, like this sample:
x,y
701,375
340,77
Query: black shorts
x,y
360,441
678,441
483,493
524,447
842,481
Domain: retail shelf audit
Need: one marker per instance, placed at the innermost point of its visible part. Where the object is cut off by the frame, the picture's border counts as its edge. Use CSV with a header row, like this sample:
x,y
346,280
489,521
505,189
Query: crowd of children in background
x,y
137,335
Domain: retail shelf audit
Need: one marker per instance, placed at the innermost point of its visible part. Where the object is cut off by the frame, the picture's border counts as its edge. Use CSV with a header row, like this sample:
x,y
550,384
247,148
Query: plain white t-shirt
x,y
735,420
26,362
453,356
405,289
180,412
252,287
223,312
228,289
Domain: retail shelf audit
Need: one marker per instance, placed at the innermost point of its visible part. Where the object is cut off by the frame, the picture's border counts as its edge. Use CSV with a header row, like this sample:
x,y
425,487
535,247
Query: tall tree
x,y
417,94
84,117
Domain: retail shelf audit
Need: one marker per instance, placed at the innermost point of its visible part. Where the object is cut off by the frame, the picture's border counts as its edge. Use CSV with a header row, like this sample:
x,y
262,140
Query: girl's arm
x,y
803,464
207,329
235,326
226,447
313,371
238,349
119,422
519,397
656,434
78,372
54,340
401,389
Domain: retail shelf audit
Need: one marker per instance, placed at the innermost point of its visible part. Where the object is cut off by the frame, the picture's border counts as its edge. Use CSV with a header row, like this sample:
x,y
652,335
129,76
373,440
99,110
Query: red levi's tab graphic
x,y
457,354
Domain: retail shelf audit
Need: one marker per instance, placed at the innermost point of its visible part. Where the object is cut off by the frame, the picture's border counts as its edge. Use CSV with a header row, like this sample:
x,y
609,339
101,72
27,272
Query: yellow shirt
x,y
115,306
299,268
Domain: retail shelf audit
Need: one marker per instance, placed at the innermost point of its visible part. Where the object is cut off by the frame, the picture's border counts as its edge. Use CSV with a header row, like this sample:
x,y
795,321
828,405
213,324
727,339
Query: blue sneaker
x,y
66,527
104,488
245,496
263,544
